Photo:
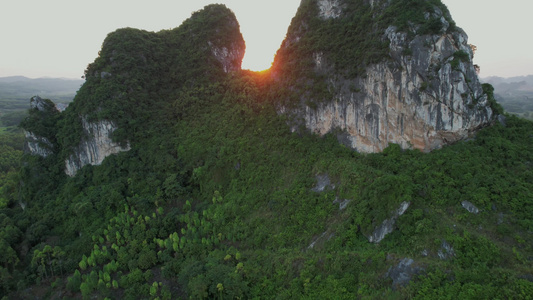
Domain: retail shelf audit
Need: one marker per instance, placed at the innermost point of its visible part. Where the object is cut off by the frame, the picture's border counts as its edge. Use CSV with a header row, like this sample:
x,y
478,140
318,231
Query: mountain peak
x,y
381,72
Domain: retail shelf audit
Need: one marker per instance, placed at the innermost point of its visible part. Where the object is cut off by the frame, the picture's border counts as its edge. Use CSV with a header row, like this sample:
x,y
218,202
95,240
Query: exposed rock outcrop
x,y
322,183
329,9
42,105
342,203
402,273
91,150
388,225
95,148
37,145
41,111
470,207
424,95
446,251
230,58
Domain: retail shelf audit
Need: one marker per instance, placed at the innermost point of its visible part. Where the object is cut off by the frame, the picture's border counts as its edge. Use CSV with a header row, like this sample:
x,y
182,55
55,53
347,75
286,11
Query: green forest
x,y
219,199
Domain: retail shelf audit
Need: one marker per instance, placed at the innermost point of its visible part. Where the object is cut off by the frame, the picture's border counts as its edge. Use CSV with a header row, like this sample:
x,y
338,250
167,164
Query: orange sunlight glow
x,y
258,58
256,62
263,25
260,47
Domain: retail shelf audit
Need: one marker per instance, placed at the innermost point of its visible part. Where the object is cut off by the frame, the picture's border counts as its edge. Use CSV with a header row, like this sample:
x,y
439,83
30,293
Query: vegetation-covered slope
x,y
351,33
218,198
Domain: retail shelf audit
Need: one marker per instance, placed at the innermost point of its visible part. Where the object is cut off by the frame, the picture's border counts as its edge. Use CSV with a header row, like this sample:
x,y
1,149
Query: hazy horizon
x,y
59,38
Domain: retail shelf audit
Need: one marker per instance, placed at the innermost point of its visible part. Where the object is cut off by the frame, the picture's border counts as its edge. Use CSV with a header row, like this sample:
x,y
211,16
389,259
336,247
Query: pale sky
x,y
59,38
501,30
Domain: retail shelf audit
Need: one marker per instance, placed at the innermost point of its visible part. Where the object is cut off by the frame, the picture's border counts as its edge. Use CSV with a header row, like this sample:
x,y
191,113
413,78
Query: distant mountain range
x,y
16,91
522,83
515,94
23,88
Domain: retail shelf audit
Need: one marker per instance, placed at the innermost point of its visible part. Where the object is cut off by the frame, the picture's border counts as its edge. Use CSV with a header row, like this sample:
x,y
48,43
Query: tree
x,y
9,257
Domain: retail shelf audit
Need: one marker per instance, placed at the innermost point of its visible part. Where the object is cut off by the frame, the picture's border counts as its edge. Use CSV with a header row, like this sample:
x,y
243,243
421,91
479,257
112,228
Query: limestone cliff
x,y
37,145
40,136
40,141
422,93
93,149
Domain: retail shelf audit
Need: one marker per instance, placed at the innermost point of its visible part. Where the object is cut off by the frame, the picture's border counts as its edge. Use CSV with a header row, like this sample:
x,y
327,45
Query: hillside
x,y
174,174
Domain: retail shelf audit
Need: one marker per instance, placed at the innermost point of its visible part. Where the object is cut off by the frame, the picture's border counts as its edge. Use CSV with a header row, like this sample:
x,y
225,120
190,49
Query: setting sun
x,y
263,26
71,44
257,61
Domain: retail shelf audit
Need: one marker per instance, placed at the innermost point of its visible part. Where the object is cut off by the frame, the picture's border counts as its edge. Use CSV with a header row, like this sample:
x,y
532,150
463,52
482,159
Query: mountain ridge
x,y
23,88
217,194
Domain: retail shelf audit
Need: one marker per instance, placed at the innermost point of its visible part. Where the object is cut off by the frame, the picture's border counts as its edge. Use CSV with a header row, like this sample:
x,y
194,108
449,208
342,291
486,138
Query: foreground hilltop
x,y
175,174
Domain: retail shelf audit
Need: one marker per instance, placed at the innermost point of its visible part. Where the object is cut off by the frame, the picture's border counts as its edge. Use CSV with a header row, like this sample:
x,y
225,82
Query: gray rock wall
x,y
33,143
94,149
37,145
387,226
230,58
427,95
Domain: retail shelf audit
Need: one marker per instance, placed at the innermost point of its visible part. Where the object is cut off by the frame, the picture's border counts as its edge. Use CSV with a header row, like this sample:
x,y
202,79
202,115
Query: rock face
x,y
402,273
446,251
388,225
424,95
230,58
470,207
41,104
329,9
322,183
91,151
37,145
95,148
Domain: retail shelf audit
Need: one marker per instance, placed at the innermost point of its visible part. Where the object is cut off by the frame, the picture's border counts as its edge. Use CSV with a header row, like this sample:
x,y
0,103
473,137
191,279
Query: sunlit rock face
x,y
95,148
422,96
